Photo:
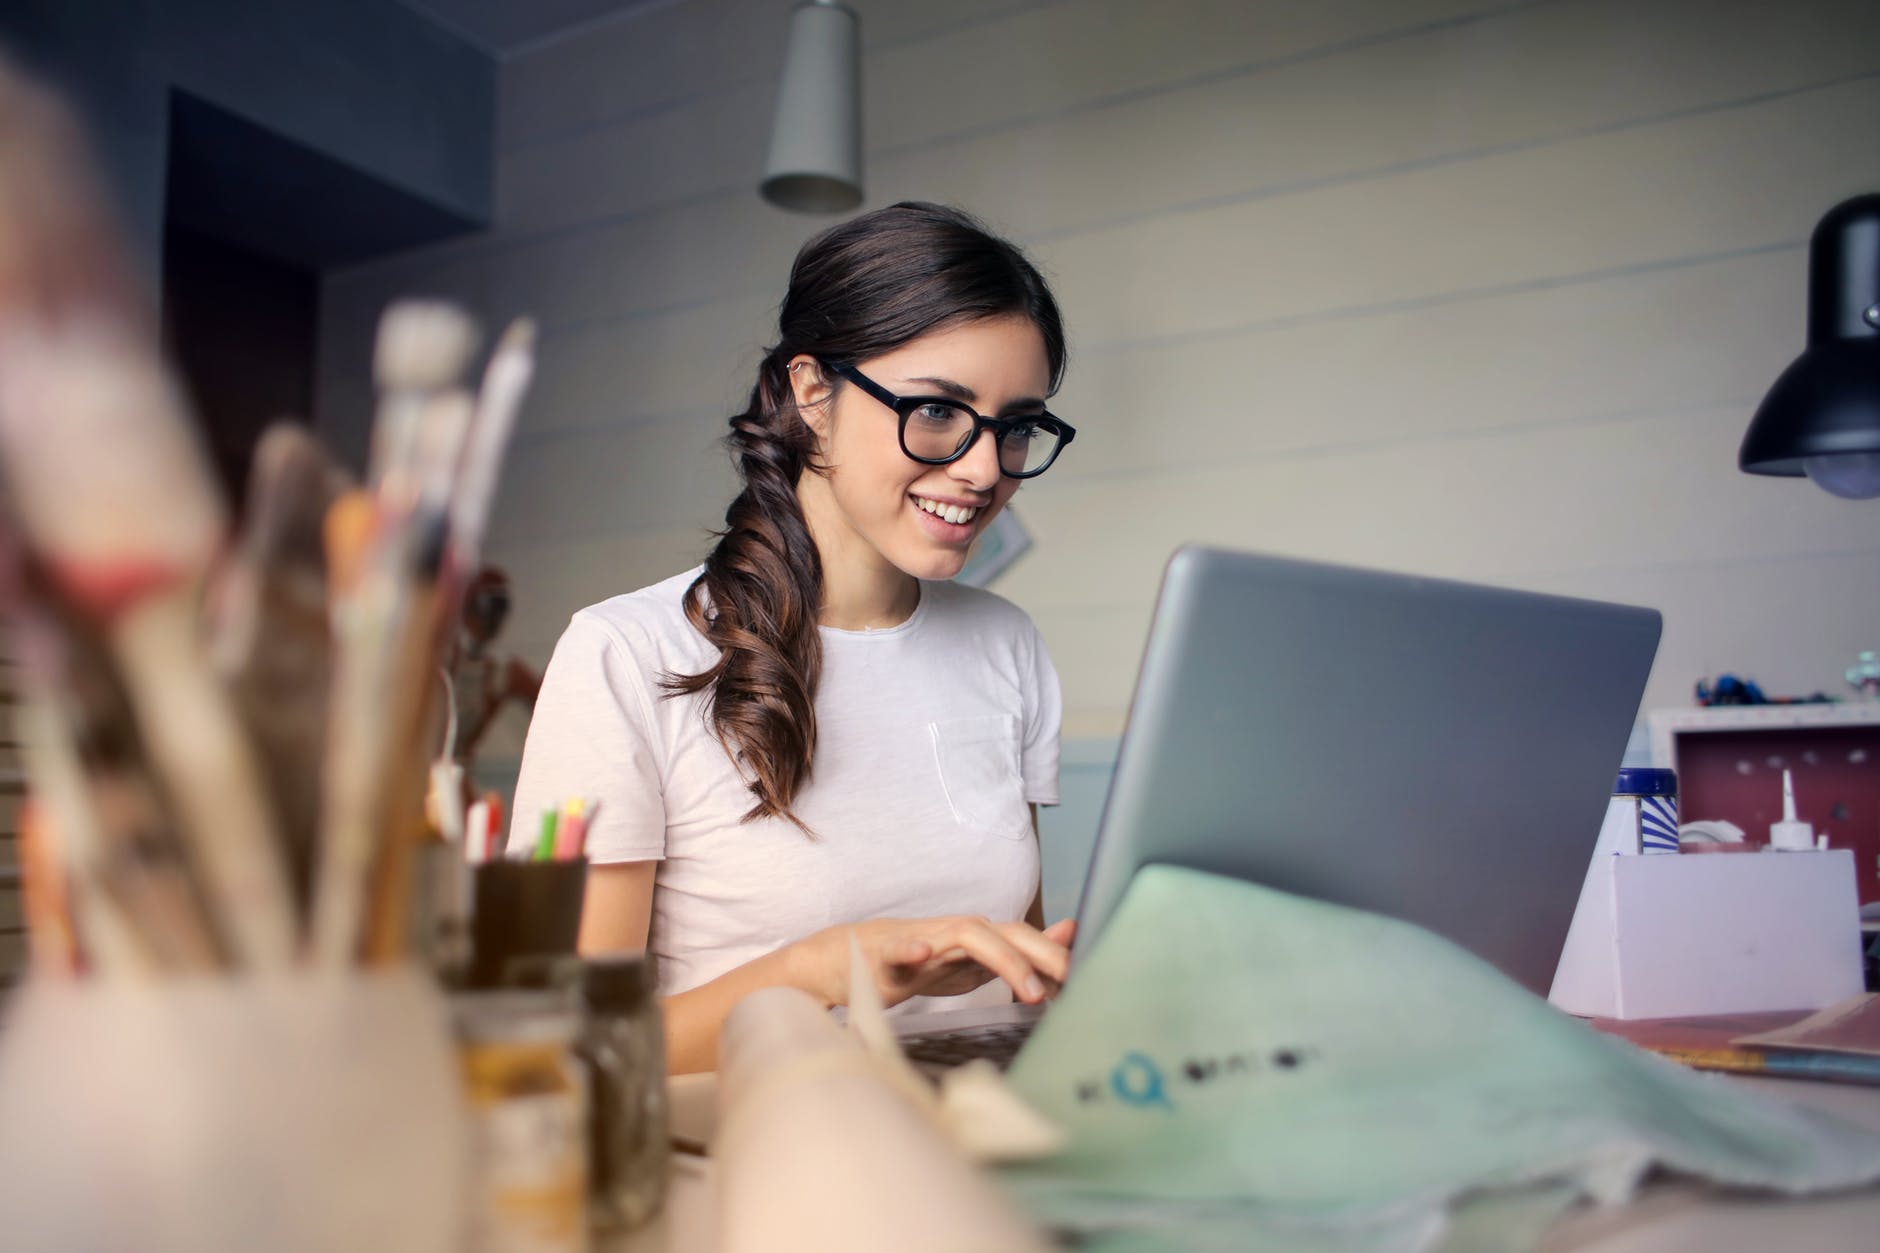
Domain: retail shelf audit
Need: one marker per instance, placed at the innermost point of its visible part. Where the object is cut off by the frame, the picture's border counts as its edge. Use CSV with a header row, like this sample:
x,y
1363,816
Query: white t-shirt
x,y
933,739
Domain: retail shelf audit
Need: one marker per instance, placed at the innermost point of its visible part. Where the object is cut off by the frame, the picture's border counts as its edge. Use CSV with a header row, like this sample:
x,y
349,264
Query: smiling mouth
x,y
959,515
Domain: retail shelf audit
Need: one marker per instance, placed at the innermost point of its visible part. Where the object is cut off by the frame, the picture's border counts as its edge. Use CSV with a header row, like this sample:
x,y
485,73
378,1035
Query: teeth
x,y
956,514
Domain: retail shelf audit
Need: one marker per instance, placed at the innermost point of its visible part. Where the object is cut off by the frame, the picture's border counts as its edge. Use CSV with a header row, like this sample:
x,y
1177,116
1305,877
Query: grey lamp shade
x,y
1823,414
815,163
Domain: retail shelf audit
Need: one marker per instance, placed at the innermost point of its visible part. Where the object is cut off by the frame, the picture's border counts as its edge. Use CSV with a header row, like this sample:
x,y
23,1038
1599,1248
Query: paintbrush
x,y
116,501
443,429
386,628
505,382
459,456
58,254
106,847
459,495
422,350
46,898
268,634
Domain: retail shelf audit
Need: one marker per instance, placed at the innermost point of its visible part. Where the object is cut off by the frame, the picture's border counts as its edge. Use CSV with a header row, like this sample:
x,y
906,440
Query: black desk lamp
x,y
1822,417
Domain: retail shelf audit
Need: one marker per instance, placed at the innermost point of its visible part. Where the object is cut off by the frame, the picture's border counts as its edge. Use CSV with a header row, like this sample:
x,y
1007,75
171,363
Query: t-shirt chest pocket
x,y
978,761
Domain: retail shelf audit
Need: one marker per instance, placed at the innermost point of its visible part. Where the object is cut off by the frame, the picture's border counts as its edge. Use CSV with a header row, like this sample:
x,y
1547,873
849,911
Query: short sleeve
x,y
592,736
1044,719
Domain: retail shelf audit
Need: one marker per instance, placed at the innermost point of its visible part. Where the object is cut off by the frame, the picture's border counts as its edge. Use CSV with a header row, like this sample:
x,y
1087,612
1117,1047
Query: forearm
x,y
905,956
694,1017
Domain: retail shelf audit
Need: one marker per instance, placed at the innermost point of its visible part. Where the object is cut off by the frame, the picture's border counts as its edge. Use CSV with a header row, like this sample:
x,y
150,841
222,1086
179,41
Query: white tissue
x,y
1710,831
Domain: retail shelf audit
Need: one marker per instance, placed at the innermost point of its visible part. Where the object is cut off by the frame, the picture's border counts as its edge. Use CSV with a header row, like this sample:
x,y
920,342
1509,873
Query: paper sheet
x,y
1852,1026
1234,1064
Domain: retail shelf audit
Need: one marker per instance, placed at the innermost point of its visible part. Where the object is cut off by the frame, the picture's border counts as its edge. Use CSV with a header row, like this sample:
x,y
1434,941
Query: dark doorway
x,y
241,329
252,219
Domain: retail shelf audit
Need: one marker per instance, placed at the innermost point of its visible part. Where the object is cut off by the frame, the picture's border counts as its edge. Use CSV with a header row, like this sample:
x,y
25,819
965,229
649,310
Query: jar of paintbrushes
x,y
225,1041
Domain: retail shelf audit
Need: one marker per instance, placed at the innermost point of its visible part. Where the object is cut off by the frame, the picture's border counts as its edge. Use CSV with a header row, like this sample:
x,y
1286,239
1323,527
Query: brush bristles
x,y
349,521
423,344
519,337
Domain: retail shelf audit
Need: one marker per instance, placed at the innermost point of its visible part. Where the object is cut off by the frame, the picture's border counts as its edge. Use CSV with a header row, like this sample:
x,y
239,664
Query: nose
x,y
979,468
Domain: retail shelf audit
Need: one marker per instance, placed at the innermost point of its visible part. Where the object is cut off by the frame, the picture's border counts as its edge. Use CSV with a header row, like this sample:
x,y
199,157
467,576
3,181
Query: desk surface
x,y
1676,1215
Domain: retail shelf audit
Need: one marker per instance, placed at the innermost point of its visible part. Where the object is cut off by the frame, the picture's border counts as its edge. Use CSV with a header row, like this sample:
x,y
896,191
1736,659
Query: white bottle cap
x,y
1789,835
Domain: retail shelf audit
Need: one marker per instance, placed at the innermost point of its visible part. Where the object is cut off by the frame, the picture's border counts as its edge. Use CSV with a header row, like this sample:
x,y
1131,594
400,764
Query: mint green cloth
x,y
1235,1063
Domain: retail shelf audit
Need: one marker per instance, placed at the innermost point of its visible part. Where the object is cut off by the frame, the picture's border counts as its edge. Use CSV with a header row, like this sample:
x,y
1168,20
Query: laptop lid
x,y
1436,751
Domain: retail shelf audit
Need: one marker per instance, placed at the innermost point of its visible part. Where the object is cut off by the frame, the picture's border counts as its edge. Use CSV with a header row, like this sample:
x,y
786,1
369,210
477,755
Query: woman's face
x,y
876,505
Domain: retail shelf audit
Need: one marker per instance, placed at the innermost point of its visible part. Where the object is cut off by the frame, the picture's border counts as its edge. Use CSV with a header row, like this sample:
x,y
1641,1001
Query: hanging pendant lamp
x,y
815,163
1822,417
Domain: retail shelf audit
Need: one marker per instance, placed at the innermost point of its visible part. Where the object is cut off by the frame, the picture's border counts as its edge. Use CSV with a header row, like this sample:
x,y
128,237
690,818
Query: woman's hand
x,y
935,957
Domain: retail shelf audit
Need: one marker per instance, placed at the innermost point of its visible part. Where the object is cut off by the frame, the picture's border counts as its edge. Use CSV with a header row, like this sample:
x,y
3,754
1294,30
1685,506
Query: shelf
x,y
1666,724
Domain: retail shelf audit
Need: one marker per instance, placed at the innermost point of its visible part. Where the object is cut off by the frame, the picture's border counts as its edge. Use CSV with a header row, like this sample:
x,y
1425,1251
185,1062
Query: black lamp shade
x,y
1828,401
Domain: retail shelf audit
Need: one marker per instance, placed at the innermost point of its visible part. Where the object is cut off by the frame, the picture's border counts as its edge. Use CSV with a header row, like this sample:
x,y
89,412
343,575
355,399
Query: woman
x,y
815,736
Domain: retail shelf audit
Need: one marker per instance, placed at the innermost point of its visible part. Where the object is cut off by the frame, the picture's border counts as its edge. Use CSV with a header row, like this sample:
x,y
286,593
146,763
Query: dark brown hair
x,y
858,290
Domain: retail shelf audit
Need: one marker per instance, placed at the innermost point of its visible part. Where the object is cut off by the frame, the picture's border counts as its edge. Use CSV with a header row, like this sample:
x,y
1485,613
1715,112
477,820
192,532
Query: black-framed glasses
x,y
936,430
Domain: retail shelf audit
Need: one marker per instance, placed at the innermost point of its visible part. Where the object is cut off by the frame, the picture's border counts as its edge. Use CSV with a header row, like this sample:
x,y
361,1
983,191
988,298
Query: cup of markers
x,y
562,834
527,906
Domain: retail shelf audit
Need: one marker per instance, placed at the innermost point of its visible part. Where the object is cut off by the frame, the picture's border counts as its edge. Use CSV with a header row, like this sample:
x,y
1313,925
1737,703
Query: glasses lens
x,y
935,431
1028,448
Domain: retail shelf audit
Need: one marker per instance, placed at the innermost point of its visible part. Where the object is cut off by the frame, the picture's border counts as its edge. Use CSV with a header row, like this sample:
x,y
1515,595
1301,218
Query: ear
x,y
812,391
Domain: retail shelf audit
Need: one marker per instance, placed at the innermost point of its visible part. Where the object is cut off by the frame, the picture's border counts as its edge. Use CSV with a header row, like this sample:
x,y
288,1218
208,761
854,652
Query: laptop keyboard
x,y
998,1044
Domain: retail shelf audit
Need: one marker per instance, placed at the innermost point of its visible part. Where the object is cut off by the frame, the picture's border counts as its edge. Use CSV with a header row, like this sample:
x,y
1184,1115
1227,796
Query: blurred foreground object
x,y
821,1149
268,636
1237,1068
221,736
223,729
121,526
293,1114
623,1043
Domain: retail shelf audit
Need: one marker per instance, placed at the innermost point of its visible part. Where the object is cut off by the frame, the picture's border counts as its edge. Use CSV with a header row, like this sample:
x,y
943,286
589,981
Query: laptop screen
x,y
1437,751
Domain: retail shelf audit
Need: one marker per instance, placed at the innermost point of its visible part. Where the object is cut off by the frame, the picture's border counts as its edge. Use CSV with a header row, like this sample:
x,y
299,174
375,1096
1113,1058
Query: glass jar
x,y
623,1042
528,1110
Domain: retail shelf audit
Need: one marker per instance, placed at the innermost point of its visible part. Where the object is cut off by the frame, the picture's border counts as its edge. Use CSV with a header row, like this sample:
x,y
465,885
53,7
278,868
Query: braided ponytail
x,y
757,600
859,289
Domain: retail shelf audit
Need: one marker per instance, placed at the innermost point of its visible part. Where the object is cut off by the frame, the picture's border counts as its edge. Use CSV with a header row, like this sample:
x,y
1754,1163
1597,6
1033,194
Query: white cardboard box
x,y
1703,933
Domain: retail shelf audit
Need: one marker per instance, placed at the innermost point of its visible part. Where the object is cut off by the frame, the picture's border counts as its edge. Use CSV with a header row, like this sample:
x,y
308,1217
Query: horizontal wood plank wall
x,y
1485,290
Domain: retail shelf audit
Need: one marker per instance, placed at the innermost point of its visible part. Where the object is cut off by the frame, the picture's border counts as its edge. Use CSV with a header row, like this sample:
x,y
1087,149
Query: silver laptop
x,y
1432,750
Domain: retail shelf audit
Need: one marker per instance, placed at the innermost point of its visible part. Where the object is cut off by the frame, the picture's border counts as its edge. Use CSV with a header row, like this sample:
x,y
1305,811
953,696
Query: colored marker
x,y
497,834
476,843
578,846
571,831
545,842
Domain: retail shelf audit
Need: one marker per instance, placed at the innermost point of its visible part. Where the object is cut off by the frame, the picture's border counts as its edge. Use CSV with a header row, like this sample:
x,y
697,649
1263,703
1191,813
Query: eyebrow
x,y
959,391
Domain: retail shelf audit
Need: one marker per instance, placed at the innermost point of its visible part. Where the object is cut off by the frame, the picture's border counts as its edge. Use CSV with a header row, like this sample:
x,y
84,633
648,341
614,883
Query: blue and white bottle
x,y
1651,796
